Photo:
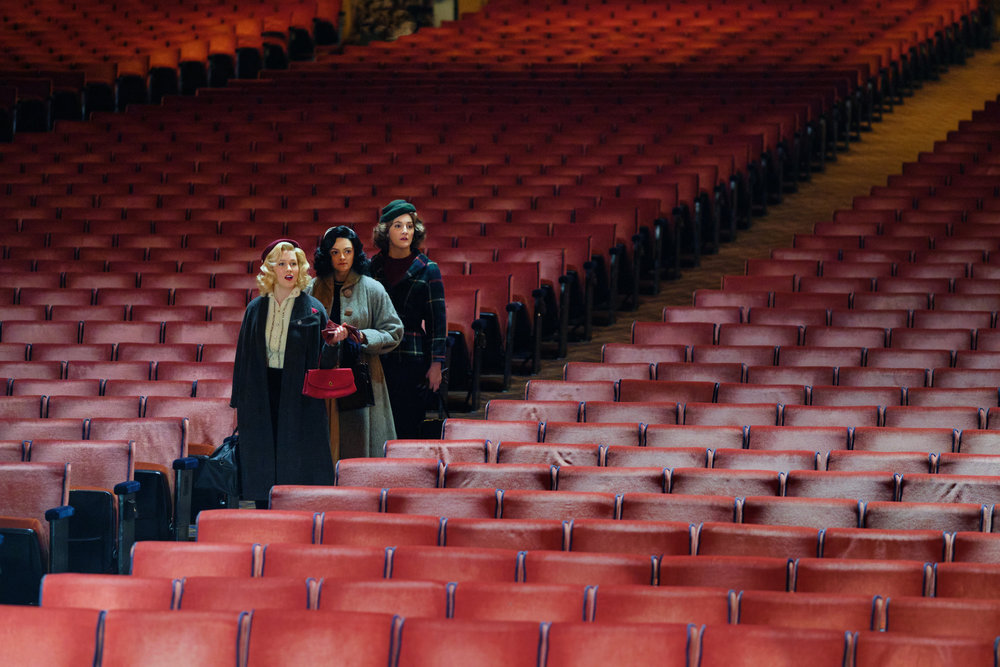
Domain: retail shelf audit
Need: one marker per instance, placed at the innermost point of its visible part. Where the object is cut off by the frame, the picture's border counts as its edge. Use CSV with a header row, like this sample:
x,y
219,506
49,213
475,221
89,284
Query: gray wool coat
x,y
365,304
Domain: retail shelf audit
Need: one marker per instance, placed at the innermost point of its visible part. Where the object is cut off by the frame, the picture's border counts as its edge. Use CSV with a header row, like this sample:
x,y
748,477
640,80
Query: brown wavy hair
x,y
380,235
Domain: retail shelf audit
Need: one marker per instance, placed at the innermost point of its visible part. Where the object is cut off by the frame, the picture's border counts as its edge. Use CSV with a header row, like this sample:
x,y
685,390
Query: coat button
x,y
348,313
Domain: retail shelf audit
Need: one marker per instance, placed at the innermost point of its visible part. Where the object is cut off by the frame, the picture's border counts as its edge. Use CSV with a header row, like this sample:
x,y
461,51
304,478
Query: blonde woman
x,y
284,435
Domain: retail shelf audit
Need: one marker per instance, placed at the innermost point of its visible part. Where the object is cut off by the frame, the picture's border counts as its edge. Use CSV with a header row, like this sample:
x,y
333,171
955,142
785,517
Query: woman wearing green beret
x,y
414,284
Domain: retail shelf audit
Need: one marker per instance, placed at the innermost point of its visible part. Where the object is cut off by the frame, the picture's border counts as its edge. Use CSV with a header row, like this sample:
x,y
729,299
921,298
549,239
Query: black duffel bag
x,y
217,479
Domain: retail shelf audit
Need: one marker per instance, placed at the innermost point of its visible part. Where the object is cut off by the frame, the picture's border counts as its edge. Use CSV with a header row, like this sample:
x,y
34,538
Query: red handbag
x,y
329,382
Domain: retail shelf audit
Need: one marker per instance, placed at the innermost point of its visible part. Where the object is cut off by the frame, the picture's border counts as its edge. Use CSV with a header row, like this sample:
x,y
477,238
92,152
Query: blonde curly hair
x,y
266,276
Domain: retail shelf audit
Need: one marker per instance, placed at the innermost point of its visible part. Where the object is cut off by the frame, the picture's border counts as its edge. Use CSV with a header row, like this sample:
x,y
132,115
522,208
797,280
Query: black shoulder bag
x,y
351,357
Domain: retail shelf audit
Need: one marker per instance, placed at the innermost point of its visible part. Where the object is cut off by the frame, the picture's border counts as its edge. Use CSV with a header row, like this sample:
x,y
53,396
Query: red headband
x,y
273,244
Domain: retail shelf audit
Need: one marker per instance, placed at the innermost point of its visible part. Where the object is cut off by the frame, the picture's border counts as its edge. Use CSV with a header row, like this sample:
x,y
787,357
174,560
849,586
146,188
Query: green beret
x,y
396,208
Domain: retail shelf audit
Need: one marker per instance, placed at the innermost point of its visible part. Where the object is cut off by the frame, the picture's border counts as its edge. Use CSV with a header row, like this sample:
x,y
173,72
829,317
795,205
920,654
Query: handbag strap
x,y
319,358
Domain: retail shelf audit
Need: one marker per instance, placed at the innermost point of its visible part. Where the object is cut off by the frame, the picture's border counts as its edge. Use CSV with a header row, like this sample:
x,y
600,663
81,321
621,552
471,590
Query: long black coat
x,y
302,454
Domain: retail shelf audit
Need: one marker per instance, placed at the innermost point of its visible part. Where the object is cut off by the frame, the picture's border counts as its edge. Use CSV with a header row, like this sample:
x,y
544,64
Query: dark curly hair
x,y
322,261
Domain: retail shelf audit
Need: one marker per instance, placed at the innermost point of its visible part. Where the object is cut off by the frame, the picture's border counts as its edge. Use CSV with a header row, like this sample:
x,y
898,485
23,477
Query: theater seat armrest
x,y
58,518
200,449
125,488
127,513
184,469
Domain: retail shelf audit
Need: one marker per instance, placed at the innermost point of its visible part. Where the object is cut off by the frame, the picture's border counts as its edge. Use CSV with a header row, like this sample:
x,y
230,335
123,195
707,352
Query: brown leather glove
x,y
354,334
333,333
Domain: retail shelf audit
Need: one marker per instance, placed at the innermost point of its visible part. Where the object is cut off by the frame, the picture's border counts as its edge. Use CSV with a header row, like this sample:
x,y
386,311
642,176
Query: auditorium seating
x,y
102,494
34,525
264,635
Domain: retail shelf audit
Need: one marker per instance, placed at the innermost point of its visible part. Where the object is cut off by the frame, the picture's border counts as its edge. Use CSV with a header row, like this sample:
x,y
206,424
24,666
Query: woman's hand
x,y
355,334
334,333
434,376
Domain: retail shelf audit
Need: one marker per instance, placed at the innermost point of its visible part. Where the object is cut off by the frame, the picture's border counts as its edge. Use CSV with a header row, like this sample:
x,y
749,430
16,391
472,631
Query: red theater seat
x,y
107,591
648,604
636,644
822,439
454,564
564,505
363,639
846,612
730,572
477,600
887,648
437,641
178,560
498,476
647,412
448,451
374,529
476,503
714,414
417,473
238,593
464,429
427,599
877,543
809,512
520,534
860,576
357,563
729,539
530,410
325,498
609,433
722,644
562,390
260,526
698,481
589,568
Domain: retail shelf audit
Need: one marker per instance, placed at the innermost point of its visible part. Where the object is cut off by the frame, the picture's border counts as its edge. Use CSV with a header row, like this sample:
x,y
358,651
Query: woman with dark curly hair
x,y
414,284
352,297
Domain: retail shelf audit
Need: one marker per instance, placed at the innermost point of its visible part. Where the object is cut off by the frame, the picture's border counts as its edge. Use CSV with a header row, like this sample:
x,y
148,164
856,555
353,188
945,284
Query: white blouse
x,y
278,317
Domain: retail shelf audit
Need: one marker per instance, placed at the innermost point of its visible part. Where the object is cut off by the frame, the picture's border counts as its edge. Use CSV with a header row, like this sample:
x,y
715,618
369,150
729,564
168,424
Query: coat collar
x,y
322,288
418,264
301,308
293,295
352,279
